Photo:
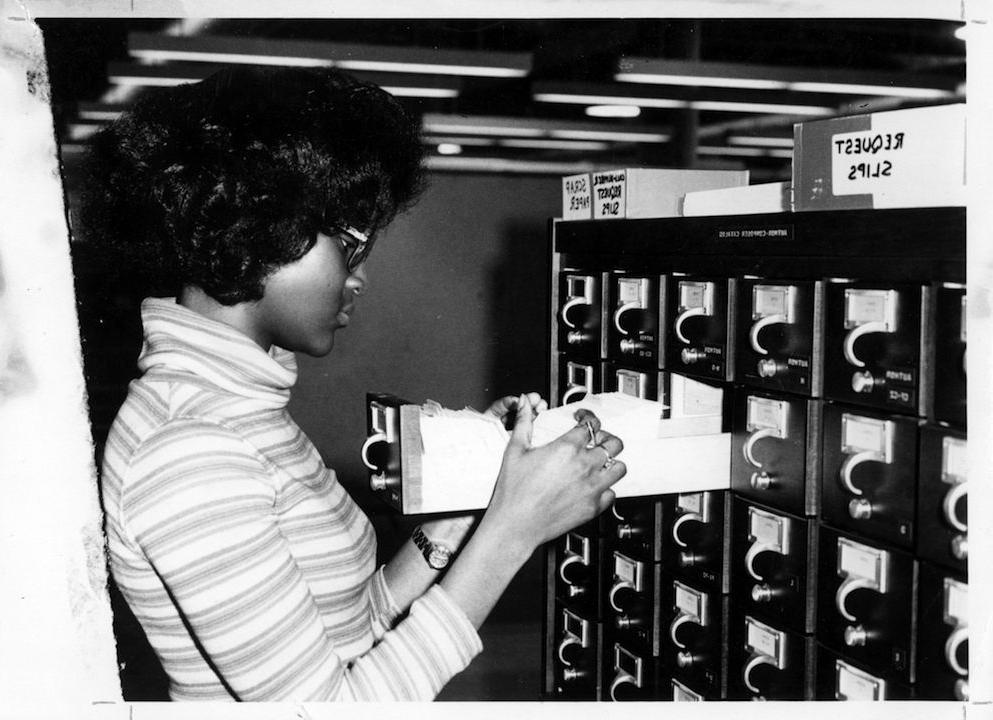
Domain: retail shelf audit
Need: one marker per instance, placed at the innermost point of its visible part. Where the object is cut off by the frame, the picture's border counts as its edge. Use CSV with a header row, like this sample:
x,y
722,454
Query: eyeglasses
x,y
355,245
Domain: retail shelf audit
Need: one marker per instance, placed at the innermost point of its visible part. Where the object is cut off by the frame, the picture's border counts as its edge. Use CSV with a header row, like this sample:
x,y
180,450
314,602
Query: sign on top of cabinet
x,y
899,158
639,192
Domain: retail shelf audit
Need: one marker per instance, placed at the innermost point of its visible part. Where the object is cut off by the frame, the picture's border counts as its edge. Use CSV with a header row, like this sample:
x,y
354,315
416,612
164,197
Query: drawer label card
x,y
580,286
628,570
954,460
870,306
767,529
578,545
632,383
862,434
632,290
860,561
696,295
627,662
580,375
764,640
688,600
577,627
681,693
853,684
765,413
691,502
956,602
768,300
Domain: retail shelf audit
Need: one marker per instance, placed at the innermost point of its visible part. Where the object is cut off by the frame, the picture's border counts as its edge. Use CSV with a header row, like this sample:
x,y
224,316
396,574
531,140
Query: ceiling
x,y
707,93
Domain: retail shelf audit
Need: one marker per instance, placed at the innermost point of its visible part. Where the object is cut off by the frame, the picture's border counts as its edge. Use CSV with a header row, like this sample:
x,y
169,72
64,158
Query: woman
x,y
254,197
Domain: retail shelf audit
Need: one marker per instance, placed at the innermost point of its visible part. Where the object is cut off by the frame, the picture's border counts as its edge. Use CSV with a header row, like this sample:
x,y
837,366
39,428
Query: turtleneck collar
x,y
178,340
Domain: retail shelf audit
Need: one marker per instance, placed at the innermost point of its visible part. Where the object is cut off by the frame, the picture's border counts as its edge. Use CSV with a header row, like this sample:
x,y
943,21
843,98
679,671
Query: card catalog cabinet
x,y
835,566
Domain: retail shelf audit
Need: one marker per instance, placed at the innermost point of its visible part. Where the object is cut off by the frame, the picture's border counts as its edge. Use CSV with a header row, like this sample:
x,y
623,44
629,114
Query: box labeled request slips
x,y
900,158
638,192
438,460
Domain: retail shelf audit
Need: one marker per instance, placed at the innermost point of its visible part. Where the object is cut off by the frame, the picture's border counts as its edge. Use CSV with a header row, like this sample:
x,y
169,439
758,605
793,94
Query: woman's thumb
x,y
520,436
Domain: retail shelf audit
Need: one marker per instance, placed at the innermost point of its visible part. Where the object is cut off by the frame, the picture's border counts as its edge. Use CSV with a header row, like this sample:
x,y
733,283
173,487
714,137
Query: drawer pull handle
x,y
749,445
680,620
845,589
959,635
622,678
574,390
569,306
570,639
948,505
753,335
563,566
753,662
620,311
684,518
369,442
750,556
683,317
854,334
851,462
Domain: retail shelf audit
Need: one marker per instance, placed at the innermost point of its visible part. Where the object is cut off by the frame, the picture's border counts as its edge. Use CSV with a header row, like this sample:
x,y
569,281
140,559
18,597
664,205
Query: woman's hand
x,y
544,492
508,404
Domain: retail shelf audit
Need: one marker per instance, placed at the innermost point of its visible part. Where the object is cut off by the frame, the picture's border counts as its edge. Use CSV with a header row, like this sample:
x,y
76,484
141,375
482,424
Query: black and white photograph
x,y
543,356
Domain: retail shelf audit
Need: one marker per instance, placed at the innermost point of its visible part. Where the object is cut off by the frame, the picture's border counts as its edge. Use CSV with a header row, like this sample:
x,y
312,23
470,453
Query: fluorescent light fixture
x,y
502,165
585,145
744,151
78,132
155,48
467,127
580,99
438,124
455,140
156,57
420,92
613,111
693,73
449,149
760,108
713,105
131,79
757,141
171,74
612,135
98,113
854,89
698,80
435,68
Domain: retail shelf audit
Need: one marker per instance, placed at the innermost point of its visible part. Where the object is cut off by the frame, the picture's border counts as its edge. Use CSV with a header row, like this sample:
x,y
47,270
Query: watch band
x,y
437,555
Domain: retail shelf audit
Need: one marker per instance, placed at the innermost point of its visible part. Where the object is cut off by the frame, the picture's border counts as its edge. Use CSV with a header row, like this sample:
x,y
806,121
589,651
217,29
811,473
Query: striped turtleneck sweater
x,y
248,565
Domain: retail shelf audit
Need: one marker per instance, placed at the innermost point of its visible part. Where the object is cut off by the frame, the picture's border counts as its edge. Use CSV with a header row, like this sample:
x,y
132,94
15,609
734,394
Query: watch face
x,y
439,557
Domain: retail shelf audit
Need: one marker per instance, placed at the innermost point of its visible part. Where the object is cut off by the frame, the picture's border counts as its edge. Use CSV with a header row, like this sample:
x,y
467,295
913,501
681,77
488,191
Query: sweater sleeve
x,y
385,611
201,508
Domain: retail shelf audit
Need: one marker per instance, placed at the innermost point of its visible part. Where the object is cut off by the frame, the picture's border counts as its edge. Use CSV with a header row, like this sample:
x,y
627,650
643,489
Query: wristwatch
x,y
437,554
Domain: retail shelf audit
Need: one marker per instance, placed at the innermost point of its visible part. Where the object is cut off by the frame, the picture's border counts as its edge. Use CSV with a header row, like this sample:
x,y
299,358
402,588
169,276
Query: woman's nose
x,y
358,281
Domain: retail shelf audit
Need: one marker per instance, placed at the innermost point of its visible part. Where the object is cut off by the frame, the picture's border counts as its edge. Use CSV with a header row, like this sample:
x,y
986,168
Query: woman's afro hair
x,y
218,183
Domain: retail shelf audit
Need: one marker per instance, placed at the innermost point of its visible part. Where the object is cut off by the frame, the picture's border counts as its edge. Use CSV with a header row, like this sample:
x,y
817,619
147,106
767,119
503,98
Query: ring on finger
x,y
610,458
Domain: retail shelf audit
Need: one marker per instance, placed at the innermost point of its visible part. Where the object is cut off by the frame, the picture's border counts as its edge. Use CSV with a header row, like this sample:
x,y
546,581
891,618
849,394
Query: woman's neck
x,y
239,316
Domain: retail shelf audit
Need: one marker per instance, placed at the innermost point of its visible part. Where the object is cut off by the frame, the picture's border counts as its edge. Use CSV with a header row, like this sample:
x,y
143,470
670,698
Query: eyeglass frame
x,y
357,252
